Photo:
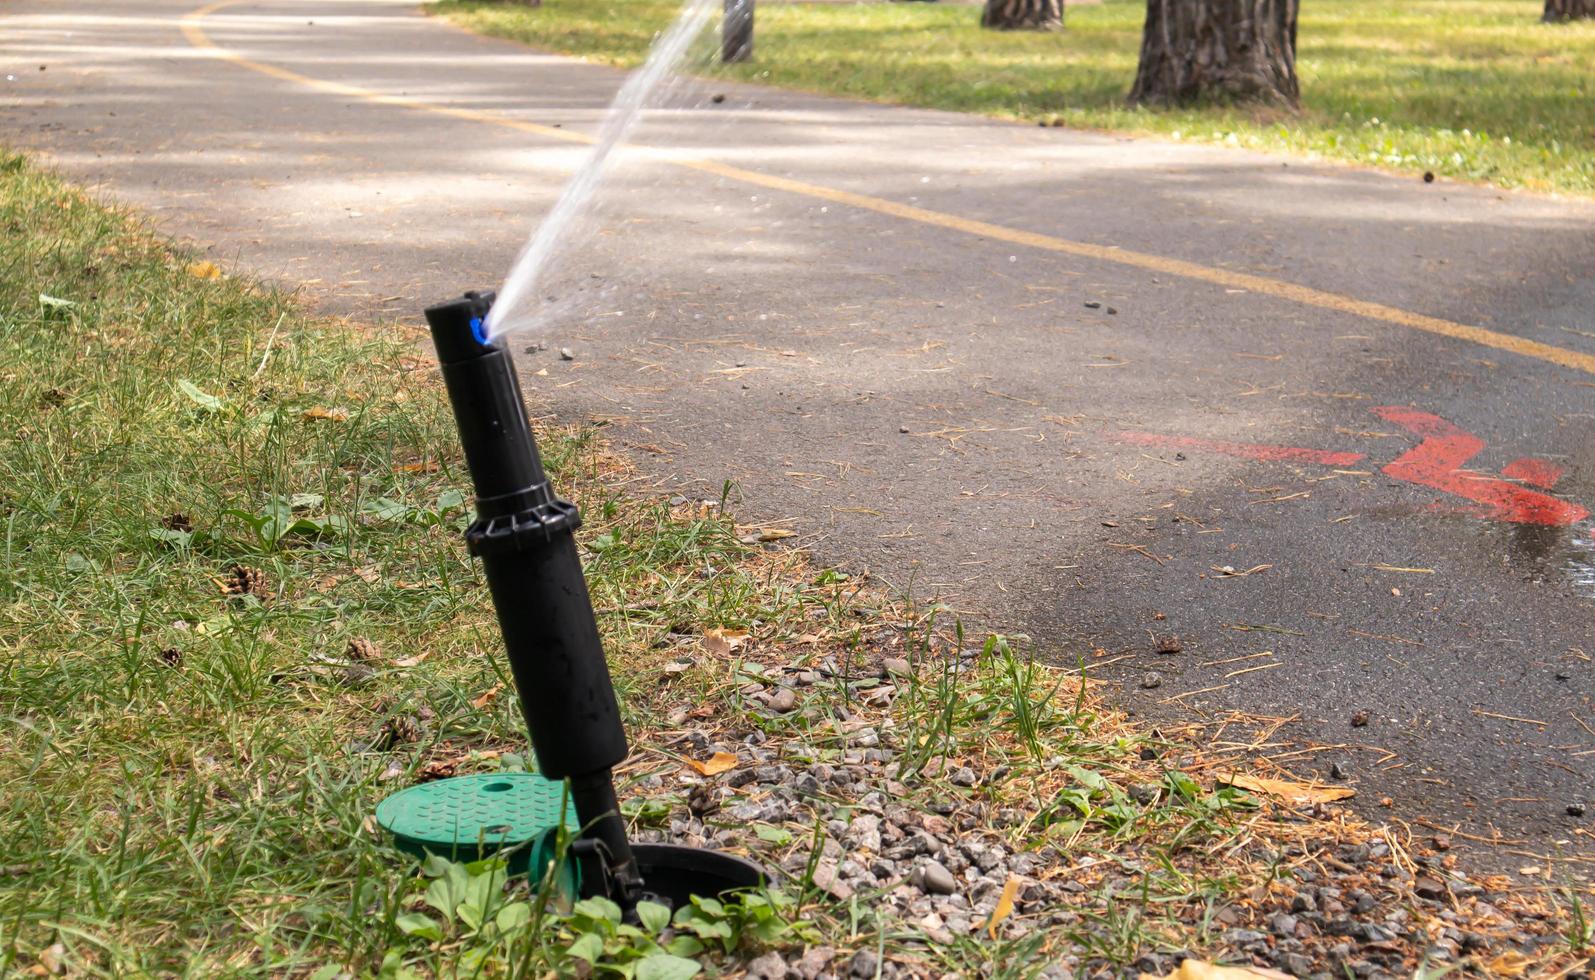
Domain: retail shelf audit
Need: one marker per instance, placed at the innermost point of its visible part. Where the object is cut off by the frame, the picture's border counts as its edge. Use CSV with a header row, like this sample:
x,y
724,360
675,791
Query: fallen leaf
x,y
775,534
1010,891
204,270
412,661
1509,964
720,642
425,466
1198,970
52,958
1288,790
486,697
330,414
716,764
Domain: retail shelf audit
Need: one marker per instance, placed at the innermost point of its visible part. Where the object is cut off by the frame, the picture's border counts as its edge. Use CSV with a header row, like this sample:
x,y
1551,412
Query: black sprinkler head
x,y
524,535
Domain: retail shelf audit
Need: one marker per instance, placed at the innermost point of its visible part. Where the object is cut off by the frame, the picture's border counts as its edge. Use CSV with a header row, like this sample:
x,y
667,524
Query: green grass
x,y
186,776
1470,89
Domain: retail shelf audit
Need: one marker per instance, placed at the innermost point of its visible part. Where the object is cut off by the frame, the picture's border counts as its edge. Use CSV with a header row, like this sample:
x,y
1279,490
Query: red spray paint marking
x,y
1535,471
1437,462
1244,450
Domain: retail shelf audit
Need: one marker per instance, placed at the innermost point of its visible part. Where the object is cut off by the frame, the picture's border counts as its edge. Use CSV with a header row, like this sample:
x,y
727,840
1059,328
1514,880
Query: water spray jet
x,y
524,535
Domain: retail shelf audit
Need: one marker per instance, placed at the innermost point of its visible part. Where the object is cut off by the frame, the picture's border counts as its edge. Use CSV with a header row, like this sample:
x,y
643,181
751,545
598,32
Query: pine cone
x,y
438,769
399,730
243,580
362,651
704,799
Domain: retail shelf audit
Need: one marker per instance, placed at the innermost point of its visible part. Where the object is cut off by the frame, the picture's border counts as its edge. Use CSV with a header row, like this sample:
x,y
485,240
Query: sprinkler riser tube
x,y
524,536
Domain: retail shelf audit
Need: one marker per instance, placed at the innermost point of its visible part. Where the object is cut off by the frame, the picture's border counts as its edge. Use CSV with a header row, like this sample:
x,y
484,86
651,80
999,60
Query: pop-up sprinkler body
x,y
523,534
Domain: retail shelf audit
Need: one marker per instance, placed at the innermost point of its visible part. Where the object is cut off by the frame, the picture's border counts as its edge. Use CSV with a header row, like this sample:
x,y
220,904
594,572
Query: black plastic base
x,y
673,874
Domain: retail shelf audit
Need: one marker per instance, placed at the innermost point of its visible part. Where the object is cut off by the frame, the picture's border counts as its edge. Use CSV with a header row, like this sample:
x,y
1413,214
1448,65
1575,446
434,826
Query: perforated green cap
x,y
471,817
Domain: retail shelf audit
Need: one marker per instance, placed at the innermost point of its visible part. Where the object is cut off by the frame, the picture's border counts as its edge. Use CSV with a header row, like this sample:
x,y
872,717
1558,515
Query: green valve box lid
x,y
470,817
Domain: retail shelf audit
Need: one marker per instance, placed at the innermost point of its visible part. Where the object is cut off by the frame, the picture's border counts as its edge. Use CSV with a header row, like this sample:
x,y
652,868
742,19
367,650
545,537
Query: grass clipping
x,y
236,612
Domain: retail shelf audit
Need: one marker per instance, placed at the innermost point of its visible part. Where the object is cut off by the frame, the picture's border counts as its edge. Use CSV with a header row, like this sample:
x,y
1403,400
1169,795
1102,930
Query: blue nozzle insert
x,y
479,330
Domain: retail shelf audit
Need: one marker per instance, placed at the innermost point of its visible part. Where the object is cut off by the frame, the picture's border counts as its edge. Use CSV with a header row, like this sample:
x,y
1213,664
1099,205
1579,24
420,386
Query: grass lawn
x,y
1472,89
236,612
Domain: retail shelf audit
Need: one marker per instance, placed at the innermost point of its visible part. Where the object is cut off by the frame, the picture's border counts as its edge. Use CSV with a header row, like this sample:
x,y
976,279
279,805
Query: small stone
x,y
814,961
770,966
783,700
807,785
1575,809
863,965
903,429
1428,176
566,355
1442,842
1151,679
896,666
1429,888
1110,311
1296,964
1360,719
1243,937
1145,794
829,881
717,98
1338,771
1284,925
962,776
933,879
1092,304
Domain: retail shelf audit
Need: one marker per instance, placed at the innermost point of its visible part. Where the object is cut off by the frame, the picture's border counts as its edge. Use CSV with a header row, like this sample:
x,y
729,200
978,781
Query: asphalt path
x,y
1253,438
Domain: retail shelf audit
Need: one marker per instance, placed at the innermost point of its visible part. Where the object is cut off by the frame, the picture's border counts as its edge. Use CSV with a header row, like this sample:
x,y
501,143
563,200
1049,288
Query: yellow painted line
x,y
1262,285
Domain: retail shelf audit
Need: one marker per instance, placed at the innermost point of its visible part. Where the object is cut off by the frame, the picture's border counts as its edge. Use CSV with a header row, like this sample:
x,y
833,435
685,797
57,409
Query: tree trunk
x,y
1025,15
1222,51
1558,11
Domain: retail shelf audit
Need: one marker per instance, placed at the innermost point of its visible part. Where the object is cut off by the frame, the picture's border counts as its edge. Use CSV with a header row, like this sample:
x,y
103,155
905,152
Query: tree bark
x,y
1220,51
1560,11
1024,15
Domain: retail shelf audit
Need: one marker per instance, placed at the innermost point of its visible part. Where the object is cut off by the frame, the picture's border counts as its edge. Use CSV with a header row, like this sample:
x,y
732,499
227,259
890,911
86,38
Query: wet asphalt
x,y
977,422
